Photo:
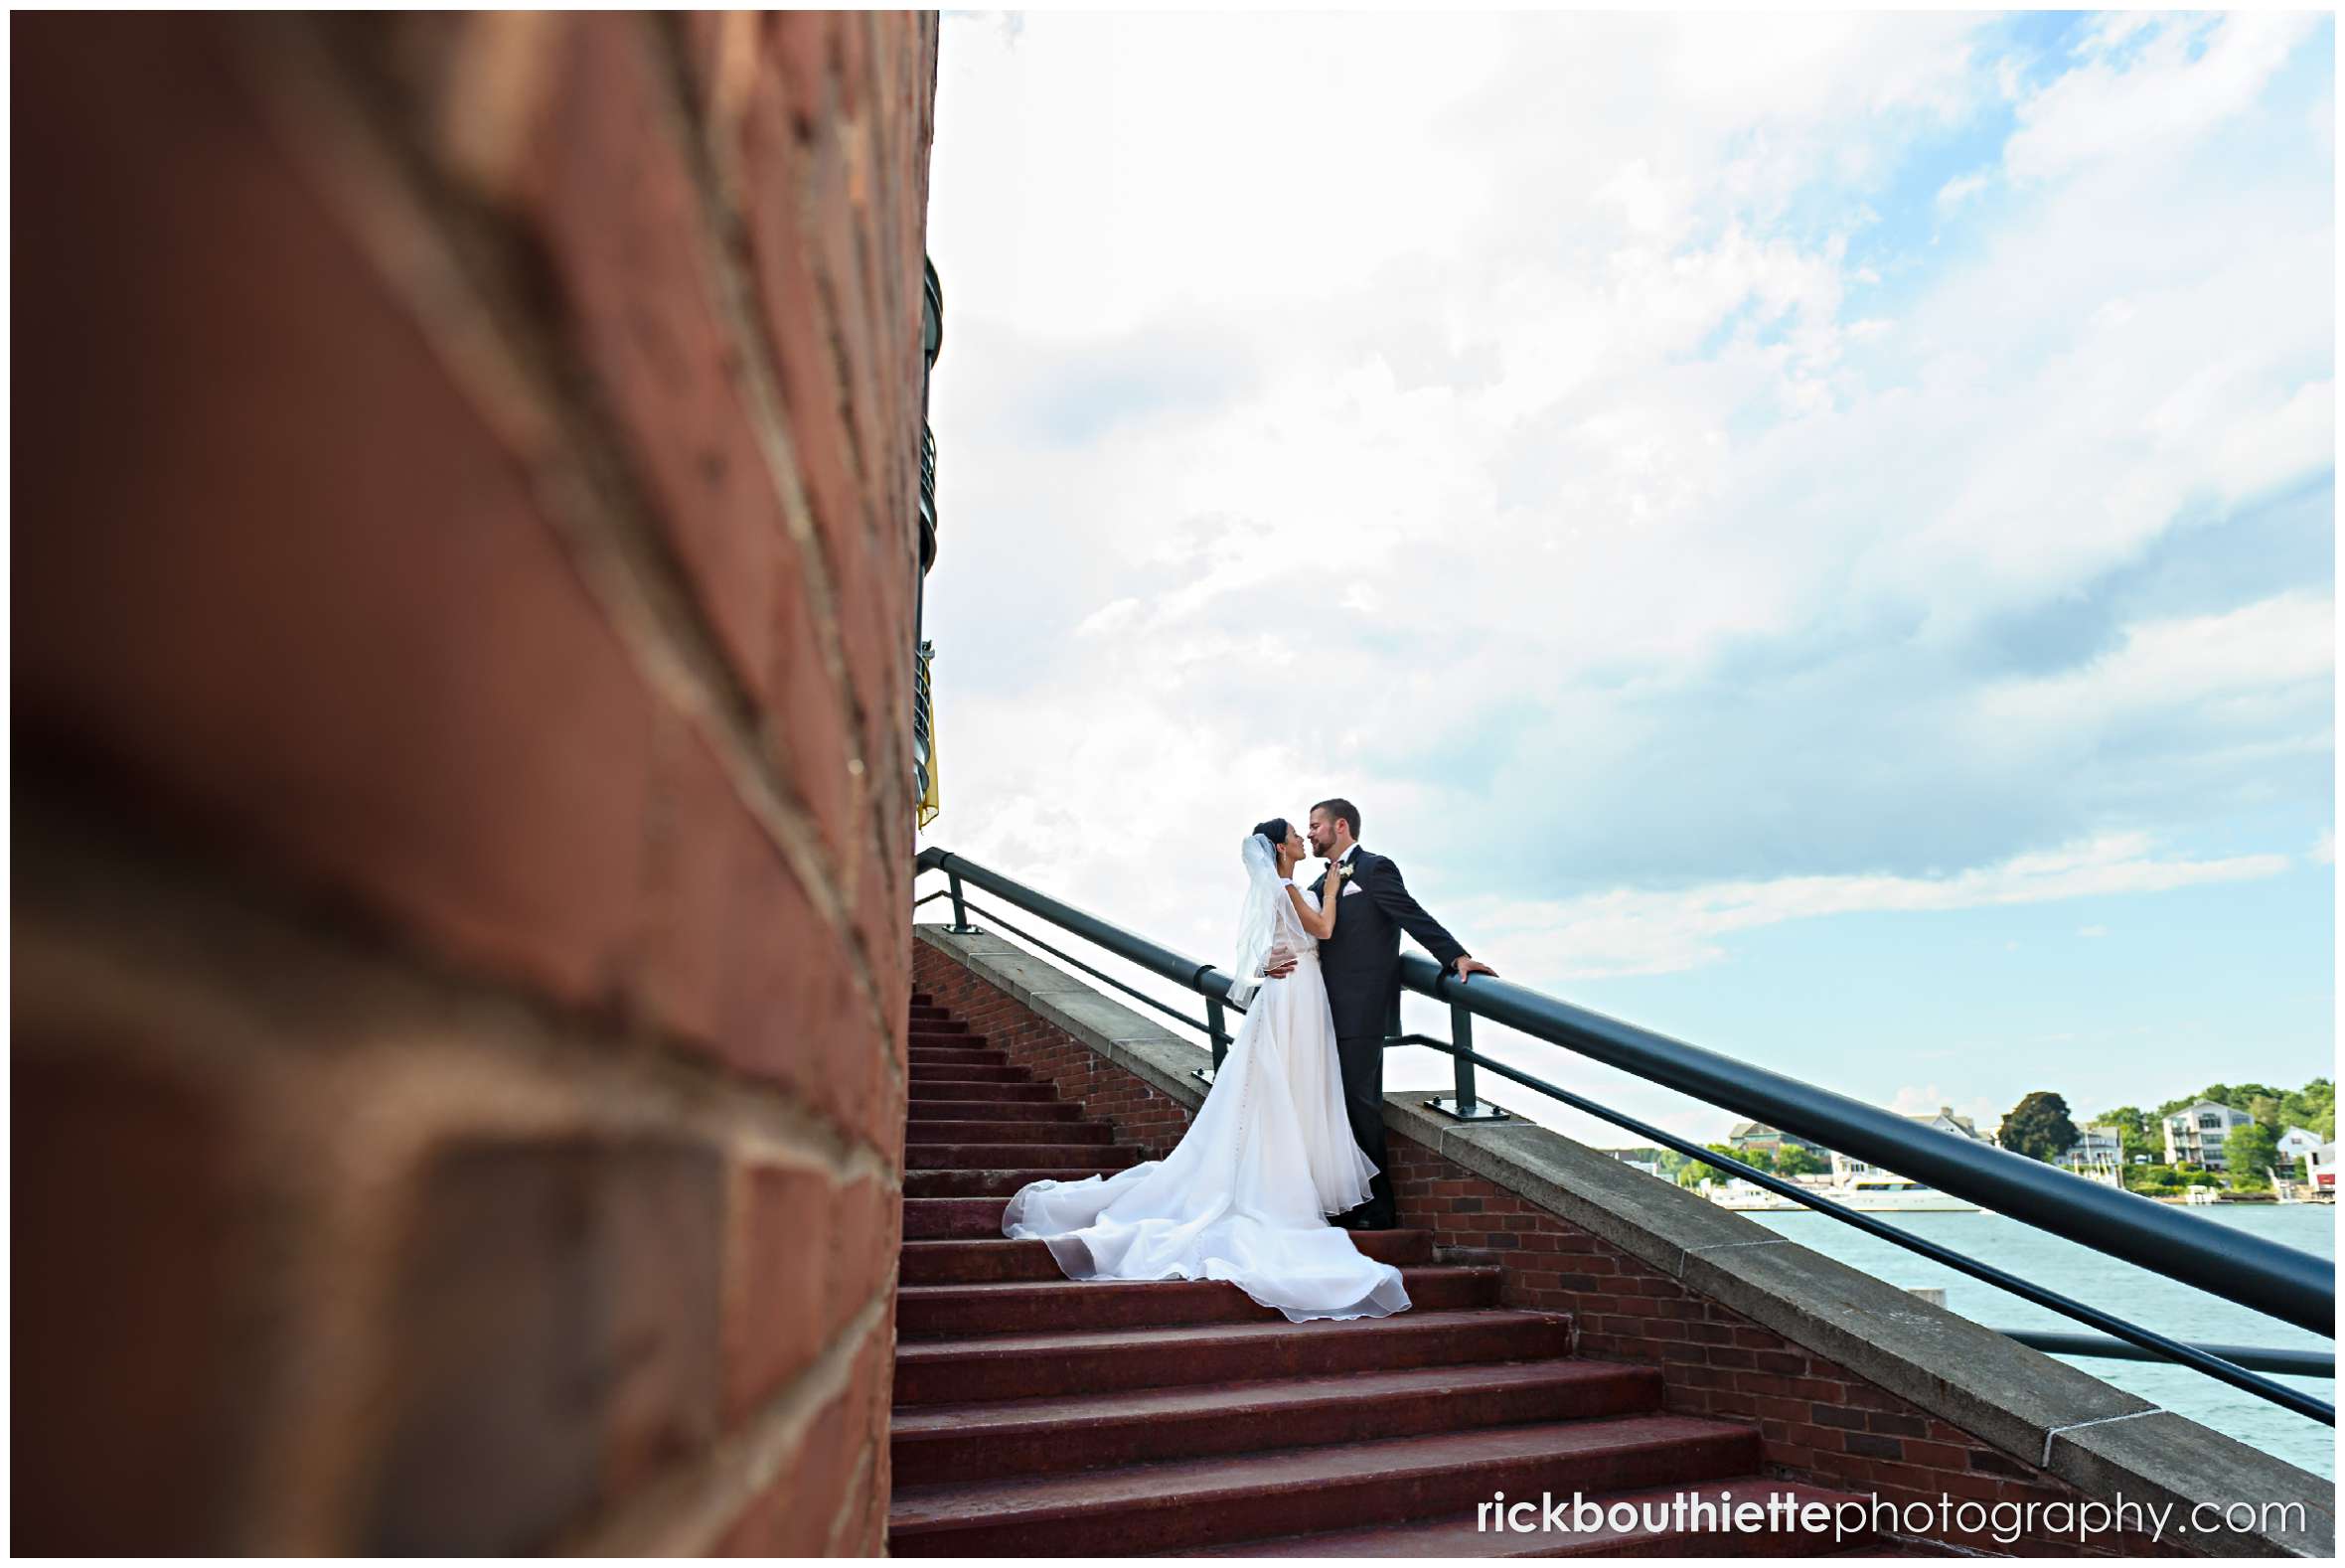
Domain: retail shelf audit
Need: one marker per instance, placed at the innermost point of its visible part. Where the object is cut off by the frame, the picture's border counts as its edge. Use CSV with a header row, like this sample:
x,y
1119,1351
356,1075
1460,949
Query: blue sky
x,y
1815,535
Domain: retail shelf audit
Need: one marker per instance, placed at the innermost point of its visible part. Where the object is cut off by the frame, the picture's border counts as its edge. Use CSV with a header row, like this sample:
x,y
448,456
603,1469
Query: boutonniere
x,y
1343,872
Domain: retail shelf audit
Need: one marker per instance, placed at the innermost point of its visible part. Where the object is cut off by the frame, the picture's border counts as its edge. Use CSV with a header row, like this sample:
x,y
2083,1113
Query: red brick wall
x,y
1140,1113
465,560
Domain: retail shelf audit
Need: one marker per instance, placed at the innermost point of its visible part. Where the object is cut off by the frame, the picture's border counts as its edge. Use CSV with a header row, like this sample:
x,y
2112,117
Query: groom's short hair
x,y
1339,807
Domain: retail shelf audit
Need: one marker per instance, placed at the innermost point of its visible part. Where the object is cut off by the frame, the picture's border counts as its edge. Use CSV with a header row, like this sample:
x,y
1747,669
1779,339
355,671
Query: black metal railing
x,y
923,726
2277,1281
932,340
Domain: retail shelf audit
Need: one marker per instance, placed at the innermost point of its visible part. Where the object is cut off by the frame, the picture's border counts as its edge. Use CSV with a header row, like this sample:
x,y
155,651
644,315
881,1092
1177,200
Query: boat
x,y
1868,1191
1747,1199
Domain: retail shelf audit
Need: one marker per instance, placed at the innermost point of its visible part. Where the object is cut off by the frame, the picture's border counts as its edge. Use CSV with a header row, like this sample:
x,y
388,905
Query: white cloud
x,y
1956,191
2190,73
1630,932
1531,427
2093,930
2274,657
1928,1100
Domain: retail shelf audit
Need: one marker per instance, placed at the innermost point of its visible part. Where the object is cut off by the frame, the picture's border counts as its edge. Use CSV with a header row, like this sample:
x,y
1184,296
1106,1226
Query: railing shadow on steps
x,y
2265,1276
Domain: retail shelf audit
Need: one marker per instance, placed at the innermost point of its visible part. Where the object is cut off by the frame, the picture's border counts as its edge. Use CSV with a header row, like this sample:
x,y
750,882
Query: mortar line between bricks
x,y
766,412
2078,1426
218,931
359,168
686,1512
759,383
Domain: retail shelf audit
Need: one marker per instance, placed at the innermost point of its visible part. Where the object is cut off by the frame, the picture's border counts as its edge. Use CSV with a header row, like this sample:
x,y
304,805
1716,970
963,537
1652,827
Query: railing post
x,y
1464,1106
961,925
1213,1018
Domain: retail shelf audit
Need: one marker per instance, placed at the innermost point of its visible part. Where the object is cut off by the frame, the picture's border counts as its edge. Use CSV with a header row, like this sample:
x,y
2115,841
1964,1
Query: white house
x,y
1943,1120
2095,1146
2195,1134
2296,1143
2320,1167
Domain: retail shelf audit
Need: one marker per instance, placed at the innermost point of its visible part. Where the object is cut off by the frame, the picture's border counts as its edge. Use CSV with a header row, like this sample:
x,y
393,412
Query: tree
x,y
1749,1157
2136,1134
2248,1152
2313,1107
1799,1160
2039,1127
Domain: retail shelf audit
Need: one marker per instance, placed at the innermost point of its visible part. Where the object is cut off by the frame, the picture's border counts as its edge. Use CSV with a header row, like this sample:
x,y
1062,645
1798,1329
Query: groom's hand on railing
x,y
1470,967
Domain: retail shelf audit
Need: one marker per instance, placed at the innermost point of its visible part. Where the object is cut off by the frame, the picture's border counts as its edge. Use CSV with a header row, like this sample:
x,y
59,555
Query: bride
x,y
1245,1194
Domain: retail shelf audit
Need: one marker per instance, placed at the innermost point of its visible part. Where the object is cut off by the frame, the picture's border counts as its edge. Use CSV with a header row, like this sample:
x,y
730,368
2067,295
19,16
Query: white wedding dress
x,y
1244,1196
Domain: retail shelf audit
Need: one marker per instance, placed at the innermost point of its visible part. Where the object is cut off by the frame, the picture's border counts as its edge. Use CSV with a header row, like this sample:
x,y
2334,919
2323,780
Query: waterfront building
x,y
2195,1134
2097,1146
1942,1120
2296,1143
1758,1138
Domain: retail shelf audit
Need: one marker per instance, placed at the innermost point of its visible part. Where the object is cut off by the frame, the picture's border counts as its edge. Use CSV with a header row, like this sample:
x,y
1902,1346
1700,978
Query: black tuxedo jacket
x,y
1362,961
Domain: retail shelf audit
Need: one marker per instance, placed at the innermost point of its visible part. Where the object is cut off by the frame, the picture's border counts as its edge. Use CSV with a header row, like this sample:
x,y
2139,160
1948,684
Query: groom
x,y
1361,963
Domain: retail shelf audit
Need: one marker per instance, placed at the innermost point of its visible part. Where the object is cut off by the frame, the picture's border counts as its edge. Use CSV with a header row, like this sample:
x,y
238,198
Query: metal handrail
x,y
2265,1276
1219,1037
2294,1364
2128,1335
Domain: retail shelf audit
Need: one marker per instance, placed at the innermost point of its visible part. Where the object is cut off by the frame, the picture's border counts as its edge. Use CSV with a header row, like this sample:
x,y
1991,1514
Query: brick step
x,y
993,1129
1461,1534
927,1090
954,1219
939,1262
930,1012
1184,1503
995,1156
957,1057
954,1310
949,1032
995,1183
1028,1436
1040,1366
996,1111
969,1073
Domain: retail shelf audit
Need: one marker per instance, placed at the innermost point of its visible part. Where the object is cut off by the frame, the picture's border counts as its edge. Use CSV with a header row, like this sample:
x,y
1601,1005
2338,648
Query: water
x,y
2135,1293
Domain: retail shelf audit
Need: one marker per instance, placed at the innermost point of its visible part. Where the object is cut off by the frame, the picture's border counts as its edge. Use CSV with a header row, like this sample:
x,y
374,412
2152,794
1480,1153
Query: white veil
x,y
1258,920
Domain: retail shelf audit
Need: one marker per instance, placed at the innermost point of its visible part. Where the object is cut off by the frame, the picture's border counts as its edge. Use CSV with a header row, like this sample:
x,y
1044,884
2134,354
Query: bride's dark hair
x,y
1275,829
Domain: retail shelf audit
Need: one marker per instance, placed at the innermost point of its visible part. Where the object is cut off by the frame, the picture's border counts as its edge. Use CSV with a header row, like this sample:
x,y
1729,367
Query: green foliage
x,y
2137,1132
2313,1107
1685,1169
1799,1159
2039,1127
2248,1152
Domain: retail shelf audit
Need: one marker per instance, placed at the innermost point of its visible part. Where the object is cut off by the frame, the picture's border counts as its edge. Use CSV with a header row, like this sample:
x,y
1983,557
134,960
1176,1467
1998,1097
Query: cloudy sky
x,y
1813,535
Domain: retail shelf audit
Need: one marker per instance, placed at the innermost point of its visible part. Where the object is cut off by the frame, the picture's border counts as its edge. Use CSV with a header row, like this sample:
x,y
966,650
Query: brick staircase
x,y
1037,1416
